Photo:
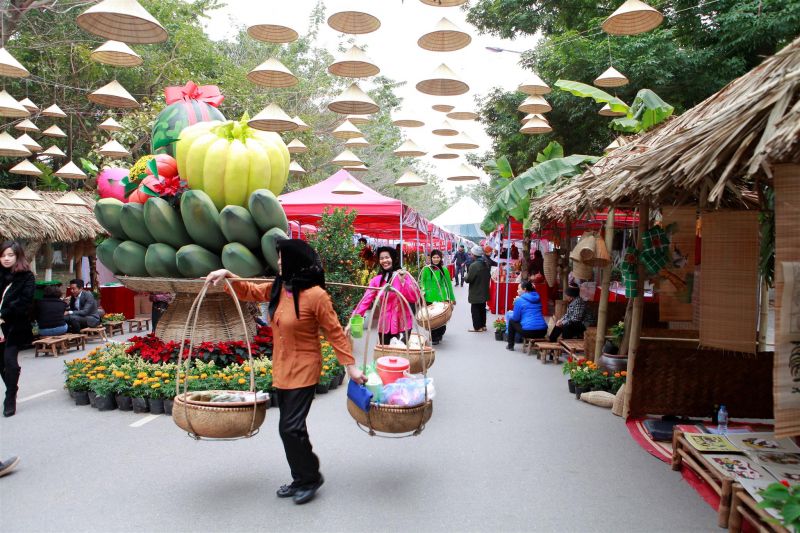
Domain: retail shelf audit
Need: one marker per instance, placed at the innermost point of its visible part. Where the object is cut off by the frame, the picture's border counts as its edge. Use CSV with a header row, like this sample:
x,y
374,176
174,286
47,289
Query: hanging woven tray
x,y
392,418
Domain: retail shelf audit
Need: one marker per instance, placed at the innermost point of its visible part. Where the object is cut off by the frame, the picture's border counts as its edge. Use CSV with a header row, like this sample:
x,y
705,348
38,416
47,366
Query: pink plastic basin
x,y
390,368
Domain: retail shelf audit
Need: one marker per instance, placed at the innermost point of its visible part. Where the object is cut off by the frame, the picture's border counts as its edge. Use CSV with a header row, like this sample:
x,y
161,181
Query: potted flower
x,y
499,328
784,498
78,381
139,393
324,383
569,365
584,376
121,382
611,359
103,387
616,380
155,397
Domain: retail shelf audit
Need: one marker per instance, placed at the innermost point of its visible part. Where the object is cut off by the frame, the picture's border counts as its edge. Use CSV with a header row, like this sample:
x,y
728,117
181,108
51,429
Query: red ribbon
x,y
191,91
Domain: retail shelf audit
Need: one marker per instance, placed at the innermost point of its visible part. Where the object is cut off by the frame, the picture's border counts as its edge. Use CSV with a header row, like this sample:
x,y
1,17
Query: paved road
x,y
507,449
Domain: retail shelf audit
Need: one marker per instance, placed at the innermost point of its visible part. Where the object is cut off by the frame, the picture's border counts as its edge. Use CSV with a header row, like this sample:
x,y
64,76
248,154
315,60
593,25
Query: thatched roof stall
x,y
46,220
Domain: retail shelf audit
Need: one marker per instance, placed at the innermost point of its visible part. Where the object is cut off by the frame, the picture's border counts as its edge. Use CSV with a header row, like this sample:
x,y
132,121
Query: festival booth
x,y
463,219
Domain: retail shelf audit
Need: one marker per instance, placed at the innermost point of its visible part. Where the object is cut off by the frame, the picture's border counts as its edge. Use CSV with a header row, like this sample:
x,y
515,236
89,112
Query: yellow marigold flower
x,y
263,370
242,381
141,375
91,377
247,369
136,383
326,367
166,381
101,376
157,373
322,373
203,375
155,385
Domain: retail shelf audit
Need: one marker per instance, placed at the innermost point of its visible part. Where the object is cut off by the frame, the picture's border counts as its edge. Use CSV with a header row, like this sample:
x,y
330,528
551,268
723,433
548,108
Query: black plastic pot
x,y
156,406
140,405
124,403
341,377
579,391
81,397
105,403
498,335
571,386
168,406
71,394
321,389
334,383
92,398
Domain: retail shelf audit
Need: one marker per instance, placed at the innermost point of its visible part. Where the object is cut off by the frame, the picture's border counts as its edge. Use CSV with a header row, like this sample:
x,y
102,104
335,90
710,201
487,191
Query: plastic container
x,y
390,369
722,421
356,326
375,386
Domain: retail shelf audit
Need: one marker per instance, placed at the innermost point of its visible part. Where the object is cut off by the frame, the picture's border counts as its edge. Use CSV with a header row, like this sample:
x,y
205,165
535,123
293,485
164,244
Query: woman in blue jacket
x,y
527,319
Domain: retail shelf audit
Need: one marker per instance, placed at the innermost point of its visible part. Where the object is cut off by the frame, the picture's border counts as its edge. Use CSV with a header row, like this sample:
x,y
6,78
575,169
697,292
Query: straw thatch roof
x,y
46,221
716,149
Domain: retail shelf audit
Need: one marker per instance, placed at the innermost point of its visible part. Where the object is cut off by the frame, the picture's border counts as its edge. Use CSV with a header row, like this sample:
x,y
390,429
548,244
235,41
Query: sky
x,y
393,47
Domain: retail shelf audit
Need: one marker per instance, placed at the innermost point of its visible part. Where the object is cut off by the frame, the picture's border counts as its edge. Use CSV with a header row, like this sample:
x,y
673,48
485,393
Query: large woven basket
x,y
221,421
414,356
601,256
550,268
392,418
582,270
429,320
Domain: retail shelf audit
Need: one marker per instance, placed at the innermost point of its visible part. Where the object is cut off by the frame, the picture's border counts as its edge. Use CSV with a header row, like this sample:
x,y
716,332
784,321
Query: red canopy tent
x,y
622,219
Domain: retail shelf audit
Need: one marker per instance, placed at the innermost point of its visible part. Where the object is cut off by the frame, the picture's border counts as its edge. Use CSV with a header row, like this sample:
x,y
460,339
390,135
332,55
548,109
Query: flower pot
x,y
156,406
168,406
105,403
124,403
321,389
92,398
140,405
579,391
498,335
571,386
71,393
341,377
614,363
81,397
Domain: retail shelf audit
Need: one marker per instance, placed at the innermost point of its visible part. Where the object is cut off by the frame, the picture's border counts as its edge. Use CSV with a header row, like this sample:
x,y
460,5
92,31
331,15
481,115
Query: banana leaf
x,y
500,168
587,91
646,111
552,151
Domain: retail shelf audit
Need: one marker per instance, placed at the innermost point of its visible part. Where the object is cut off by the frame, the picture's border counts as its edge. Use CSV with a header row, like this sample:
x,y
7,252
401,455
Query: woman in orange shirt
x,y
298,307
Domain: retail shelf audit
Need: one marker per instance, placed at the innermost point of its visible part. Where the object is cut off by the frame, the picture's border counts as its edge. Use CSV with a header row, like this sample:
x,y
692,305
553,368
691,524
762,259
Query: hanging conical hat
x,y
353,101
54,131
110,124
346,158
462,142
409,149
27,126
122,20
272,73
405,119
10,67
30,106
354,64
611,78
534,86
296,146
535,104
272,32
357,142
29,143
9,107
117,54
347,186
26,168
409,179
70,171
11,147
619,142
443,108
113,95
463,173
606,111
445,153
443,82
54,111
71,198
359,120
301,126
53,151
445,37
272,118
346,130
26,193
536,125
114,150
446,129
443,3
354,21
295,168
462,114
631,18
358,169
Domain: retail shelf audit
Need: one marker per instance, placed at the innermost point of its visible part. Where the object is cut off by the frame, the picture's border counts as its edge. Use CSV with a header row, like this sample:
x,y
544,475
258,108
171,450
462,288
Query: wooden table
x,y
574,346
54,345
142,323
743,506
552,349
684,454
114,327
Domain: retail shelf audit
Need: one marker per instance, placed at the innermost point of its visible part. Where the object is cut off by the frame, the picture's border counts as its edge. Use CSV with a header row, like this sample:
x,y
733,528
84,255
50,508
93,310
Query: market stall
x,y
502,295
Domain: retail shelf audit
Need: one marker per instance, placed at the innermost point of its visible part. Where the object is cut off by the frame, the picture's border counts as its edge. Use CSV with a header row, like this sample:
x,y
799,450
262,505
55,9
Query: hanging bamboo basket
x,y
445,130
347,130
535,104
53,111
632,18
29,143
611,78
409,179
272,118
353,101
409,149
9,107
550,267
584,249
354,22
582,270
113,95
27,126
25,168
296,146
272,33
29,105
601,257
534,86
11,147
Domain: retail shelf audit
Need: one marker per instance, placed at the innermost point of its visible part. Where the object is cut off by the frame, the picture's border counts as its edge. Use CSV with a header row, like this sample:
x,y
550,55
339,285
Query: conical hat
x,y
26,168
10,147
272,32
114,150
272,118
54,131
346,130
70,171
117,54
445,129
26,193
359,120
462,114
409,179
445,153
346,158
10,67
443,108
443,3
272,73
9,107
354,22
53,151
26,141
606,111
353,101
357,142
534,86
110,124
354,64
611,78
347,187
631,18
30,106
619,142
536,125
405,119
296,146
301,126
295,168
53,111
443,82
27,125
462,142
358,169
113,95
535,104
463,173
71,198
409,149
445,37
122,20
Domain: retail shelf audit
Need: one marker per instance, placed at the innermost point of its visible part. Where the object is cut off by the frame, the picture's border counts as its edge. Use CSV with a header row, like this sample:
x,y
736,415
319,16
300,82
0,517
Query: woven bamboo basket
x,y
582,270
551,268
584,250
414,356
429,320
601,256
599,398
619,401
392,418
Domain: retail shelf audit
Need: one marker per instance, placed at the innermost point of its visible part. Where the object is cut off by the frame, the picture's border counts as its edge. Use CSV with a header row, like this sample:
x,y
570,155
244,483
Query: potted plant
x,y
611,359
616,380
121,381
324,383
103,387
155,398
785,500
77,382
584,376
138,392
499,329
569,365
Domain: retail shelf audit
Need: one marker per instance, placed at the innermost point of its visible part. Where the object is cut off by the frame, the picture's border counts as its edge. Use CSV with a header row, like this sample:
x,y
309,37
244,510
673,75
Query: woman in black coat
x,y
17,284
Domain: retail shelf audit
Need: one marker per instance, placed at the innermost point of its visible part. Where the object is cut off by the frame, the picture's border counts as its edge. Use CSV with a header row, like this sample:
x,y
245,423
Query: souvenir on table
x,y
787,472
710,443
754,488
738,466
777,459
763,442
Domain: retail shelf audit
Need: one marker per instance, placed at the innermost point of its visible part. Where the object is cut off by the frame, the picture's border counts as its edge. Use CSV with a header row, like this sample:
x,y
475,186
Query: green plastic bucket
x,y
356,326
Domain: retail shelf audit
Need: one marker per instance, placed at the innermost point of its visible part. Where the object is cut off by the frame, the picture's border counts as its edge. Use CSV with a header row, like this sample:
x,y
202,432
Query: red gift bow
x,y
191,91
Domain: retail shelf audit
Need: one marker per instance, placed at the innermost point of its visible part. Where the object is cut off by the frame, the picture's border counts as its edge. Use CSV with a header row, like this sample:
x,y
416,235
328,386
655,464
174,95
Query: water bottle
x,y
722,420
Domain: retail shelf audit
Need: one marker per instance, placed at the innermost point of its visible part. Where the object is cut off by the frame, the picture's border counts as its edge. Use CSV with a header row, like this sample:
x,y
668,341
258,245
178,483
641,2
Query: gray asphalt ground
x,y
507,449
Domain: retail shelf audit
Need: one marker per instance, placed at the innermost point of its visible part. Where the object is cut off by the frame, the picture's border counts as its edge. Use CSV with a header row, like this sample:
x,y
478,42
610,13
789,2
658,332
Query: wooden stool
x,y
552,349
115,327
54,345
529,345
95,333
142,323
75,340
574,346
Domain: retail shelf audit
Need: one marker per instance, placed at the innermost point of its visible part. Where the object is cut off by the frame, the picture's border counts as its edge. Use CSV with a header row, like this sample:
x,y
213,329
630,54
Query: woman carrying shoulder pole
x,y
437,287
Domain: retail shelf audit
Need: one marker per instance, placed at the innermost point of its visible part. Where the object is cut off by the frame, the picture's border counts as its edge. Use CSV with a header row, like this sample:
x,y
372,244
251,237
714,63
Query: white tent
x,y
463,218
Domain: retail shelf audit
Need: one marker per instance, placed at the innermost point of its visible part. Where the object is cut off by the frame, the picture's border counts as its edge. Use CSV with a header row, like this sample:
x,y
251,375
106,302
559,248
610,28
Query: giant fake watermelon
x,y
187,105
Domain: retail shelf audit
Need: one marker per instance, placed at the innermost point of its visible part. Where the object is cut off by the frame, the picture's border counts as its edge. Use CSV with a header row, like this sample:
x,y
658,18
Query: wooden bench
x,y
98,333
142,323
552,349
75,340
114,327
574,347
53,345
528,345
743,506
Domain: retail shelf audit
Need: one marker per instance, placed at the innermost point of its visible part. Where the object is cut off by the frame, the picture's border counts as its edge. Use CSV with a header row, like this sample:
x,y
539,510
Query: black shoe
x,y
287,491
9,407
435,342
306,494
510,348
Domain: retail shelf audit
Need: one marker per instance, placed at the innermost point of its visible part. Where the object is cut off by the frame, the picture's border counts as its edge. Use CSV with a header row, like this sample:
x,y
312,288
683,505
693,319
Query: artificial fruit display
x,y
186,106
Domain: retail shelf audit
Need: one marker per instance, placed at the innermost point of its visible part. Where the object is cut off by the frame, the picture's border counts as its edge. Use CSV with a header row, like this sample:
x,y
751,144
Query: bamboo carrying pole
x,y
602,311
638,308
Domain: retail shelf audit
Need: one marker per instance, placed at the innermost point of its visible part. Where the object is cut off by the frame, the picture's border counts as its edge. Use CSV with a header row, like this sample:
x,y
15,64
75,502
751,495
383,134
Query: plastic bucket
x,y
390,369
356,326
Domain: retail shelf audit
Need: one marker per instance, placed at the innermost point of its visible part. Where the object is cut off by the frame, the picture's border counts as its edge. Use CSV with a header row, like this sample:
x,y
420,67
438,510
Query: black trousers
x,y
515,328
572,330
158,309
77,323
294,405
461,271
478,315
9,368
438,333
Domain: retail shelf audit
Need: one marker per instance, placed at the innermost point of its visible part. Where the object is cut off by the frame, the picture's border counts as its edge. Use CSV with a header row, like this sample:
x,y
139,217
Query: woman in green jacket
x,y
437,287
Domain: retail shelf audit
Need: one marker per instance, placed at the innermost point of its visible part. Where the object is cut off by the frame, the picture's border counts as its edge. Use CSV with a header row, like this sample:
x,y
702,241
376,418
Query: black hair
x,y
52,291
441,259
78,282
301,269
386,275
22,264
526,285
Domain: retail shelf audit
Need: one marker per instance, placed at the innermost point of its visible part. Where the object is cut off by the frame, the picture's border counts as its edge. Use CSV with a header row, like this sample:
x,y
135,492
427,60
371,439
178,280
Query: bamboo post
x,y
602,311
565,248
638,309
763,322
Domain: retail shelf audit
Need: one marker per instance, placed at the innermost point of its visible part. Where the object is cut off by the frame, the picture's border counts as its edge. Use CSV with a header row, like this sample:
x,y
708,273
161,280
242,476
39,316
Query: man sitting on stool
x,y
571,324
82,310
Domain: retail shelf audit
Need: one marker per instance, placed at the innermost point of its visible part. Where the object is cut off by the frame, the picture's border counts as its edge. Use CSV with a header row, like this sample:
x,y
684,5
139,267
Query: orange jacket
x,y
297,354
